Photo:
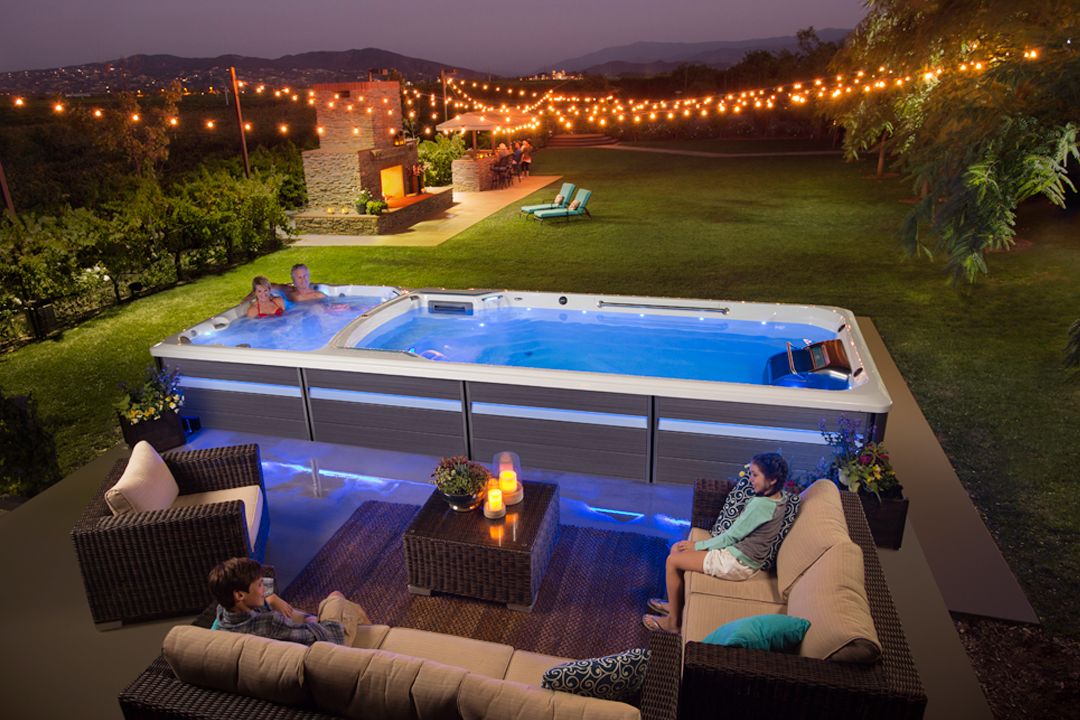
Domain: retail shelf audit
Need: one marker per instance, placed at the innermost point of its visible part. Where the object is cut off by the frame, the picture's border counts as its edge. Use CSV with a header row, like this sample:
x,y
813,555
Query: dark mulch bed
x,y
1026,672
577,613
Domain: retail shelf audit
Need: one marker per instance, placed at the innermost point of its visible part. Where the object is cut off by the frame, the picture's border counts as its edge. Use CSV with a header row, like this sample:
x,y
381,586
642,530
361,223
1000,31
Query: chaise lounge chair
x,y
574,209
561,200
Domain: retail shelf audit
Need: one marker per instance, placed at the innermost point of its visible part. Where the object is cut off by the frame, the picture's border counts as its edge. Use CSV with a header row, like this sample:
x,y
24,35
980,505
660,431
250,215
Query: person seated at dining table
x,y
264,303
526,157
502,150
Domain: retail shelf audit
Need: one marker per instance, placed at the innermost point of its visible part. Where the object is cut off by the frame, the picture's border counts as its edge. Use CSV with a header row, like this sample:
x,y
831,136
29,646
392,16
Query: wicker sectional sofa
x,y
388,673
827,563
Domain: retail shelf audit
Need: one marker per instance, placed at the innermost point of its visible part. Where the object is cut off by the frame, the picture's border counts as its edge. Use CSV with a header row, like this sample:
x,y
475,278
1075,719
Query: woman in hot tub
x,y
264,304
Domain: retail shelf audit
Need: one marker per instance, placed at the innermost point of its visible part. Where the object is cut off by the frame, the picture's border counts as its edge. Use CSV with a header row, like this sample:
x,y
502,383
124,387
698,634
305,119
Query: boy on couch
x,y
245,607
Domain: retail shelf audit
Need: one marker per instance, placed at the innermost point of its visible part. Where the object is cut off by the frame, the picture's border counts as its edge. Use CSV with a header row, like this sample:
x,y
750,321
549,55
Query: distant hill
x,y
719,53
148,71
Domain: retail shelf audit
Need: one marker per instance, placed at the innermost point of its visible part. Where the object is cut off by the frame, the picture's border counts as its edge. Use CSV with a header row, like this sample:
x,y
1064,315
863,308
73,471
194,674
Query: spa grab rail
x,y
659,306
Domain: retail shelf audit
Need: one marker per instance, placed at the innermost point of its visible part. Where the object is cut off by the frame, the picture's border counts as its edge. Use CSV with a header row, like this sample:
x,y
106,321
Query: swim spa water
x,y
303,326
691,348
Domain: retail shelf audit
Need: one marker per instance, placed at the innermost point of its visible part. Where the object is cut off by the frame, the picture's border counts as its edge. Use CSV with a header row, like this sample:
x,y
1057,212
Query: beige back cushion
x,y
819,525
483,698
362,683
237,663
832,596
145,485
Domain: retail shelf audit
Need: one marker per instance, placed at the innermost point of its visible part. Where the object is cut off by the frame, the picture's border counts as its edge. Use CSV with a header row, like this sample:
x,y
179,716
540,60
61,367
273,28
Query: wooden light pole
x,y
7,193
240,122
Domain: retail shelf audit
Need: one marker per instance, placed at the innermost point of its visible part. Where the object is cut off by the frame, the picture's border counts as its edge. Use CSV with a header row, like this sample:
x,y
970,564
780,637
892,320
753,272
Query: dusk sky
x,y
501,37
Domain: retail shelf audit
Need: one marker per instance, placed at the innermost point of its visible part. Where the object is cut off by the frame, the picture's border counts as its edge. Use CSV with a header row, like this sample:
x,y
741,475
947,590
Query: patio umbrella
x,y
485,121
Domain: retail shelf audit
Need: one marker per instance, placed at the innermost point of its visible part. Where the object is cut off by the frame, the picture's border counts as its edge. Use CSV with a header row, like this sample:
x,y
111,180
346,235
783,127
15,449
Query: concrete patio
x,y
314,487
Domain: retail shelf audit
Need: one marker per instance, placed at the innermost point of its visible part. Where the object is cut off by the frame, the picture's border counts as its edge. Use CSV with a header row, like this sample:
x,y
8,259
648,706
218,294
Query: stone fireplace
x,y
361,147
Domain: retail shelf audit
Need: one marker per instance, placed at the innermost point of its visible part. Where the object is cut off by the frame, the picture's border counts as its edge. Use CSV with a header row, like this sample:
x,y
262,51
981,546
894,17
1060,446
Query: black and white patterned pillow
x,y
614,677
736,501
733,505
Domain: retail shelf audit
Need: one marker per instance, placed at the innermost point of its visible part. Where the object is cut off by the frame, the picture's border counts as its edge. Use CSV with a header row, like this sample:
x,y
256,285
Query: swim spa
x,y
650,389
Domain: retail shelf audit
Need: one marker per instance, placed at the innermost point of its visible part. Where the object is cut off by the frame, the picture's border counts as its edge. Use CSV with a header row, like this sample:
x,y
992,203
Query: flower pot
x,y
462,503
164,433
886,518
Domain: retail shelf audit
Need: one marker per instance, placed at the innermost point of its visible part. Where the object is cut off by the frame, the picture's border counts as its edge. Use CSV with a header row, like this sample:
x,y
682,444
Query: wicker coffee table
x,y
467,554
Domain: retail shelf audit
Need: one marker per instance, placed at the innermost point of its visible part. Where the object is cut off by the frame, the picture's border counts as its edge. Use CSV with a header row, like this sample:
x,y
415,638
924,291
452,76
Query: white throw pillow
x,y
559,199
574,205
145,485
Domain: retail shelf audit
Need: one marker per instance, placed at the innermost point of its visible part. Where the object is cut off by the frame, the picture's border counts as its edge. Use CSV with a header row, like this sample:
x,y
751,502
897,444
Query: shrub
x,y
27,450
437,157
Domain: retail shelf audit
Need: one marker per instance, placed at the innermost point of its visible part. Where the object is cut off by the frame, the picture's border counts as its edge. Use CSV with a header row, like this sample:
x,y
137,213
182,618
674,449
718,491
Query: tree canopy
x,y
995,126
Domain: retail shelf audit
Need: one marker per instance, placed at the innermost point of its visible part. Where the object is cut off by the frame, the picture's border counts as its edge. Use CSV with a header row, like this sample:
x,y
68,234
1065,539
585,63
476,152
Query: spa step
x,y
580,140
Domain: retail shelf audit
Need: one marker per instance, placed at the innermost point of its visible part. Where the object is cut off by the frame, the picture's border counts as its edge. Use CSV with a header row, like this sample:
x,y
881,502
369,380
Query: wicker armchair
x,y
157,693
770,684
146,565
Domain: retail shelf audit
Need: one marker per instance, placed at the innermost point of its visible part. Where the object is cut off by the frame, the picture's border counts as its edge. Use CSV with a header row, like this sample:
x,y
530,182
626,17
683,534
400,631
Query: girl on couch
x,y
735,554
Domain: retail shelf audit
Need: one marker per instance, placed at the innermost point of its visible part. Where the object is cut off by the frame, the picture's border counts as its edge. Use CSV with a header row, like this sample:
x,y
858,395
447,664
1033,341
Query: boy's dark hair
x,y
232,575
775,469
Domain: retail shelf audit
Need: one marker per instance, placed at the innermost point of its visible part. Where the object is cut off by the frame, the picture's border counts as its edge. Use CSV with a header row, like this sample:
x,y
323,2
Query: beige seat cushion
x,y
832,596
819,525
482,698
370,636
237,663
478,656
528,668
145,485
362,683
251,495
761,587
705,613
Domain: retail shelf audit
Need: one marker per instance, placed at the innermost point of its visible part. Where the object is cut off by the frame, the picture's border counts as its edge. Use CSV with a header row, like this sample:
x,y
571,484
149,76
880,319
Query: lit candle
x,y
495,500
508,481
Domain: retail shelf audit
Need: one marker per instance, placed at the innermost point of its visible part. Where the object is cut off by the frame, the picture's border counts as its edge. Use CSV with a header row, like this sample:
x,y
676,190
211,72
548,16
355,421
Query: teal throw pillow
x,y
614,677
761,632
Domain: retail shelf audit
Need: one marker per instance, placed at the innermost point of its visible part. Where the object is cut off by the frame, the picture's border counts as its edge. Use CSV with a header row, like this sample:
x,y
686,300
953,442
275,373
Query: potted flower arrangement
x,y
461,482
863,466
150,411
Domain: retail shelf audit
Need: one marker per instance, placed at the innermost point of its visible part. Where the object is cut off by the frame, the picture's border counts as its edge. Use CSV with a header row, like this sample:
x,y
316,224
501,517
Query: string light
x,y
567,111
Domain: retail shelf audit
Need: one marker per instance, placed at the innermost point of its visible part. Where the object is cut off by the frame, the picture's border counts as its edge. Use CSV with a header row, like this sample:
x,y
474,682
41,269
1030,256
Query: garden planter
x,y
164,433
886,518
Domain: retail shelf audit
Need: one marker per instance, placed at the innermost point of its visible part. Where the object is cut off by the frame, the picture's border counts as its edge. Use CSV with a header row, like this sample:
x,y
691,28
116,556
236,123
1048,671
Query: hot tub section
x,y
647,389
234,394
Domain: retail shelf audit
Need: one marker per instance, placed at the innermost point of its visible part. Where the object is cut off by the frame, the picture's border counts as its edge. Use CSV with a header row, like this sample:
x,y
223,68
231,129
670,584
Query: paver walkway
x,y
966,563
705,153
468,209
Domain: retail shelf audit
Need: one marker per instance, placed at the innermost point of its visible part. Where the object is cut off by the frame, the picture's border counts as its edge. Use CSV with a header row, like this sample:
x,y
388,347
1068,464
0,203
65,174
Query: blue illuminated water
x,y
692,348
303,326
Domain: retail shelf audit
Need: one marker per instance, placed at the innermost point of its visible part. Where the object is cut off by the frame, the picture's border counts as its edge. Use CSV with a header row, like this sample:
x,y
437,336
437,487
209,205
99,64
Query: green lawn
x,y
740,145
983,361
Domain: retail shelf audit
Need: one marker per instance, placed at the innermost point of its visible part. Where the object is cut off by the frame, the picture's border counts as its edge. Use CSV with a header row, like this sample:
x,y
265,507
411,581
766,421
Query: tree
x,y
142,135
993,128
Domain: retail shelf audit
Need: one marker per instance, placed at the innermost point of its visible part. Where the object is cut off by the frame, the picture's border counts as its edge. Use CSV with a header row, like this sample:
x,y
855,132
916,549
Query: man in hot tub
x,y
300,290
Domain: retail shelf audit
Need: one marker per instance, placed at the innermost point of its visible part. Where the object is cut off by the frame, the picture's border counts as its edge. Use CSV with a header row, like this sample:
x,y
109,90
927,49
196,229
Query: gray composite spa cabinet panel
x,y
565,445
242,411
383,426
682,457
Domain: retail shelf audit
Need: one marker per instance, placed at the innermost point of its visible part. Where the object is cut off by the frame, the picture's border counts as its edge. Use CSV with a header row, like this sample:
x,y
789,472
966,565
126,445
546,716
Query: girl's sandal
x,y
658,606
653,623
